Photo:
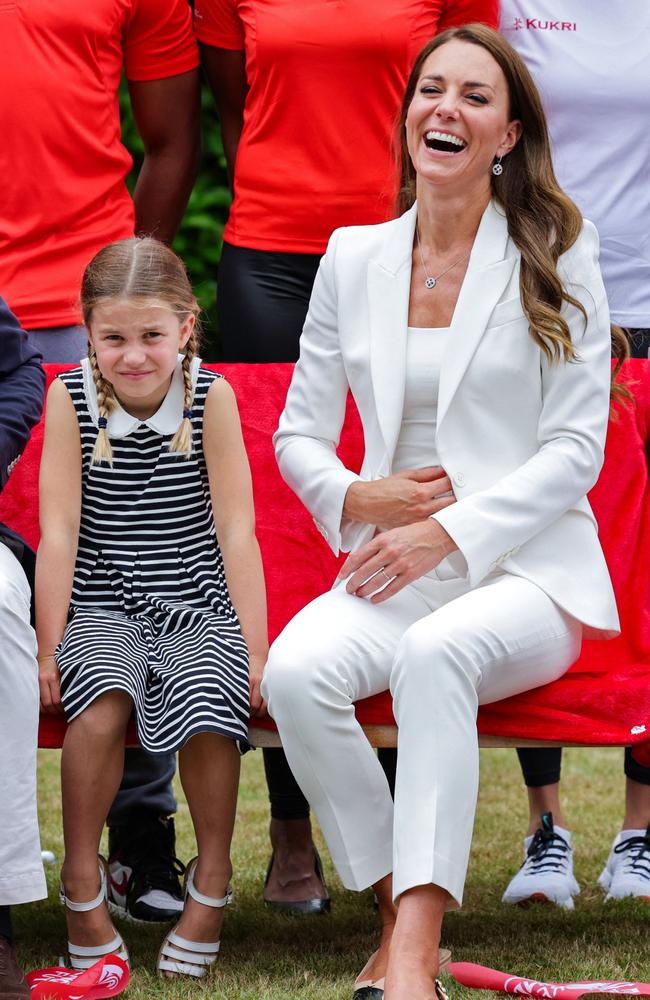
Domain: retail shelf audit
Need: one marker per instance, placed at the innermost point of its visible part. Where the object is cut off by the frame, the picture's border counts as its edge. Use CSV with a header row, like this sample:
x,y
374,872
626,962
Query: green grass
x,y
266,955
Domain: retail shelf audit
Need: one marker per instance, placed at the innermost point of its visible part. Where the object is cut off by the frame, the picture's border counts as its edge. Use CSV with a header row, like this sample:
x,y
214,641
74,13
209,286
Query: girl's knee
x,y
107,717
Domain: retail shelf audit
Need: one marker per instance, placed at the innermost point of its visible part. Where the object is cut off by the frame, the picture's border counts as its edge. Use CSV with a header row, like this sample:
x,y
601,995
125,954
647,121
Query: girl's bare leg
x,y
91,771
209,770
413,961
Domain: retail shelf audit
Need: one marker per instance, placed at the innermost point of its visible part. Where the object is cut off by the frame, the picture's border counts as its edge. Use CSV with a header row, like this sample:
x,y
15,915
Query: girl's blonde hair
x,y
140,268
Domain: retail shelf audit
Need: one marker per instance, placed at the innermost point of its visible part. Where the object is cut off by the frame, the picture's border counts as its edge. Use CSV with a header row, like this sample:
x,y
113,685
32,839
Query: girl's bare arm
x,y
234,516
60,511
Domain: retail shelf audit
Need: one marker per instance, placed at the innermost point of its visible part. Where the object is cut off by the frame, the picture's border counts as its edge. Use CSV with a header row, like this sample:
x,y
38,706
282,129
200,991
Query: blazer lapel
x,y
388,283
485,280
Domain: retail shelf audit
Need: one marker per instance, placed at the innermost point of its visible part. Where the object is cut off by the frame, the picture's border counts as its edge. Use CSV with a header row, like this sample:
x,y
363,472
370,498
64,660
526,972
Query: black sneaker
x,y
144,872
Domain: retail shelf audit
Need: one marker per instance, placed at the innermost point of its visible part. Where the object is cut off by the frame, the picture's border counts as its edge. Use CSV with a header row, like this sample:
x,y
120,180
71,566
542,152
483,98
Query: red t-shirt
x,y
326,80
62,163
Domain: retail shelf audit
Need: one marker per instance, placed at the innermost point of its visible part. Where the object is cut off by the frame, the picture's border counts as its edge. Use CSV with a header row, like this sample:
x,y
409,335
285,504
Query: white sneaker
x,y
546,876
627,872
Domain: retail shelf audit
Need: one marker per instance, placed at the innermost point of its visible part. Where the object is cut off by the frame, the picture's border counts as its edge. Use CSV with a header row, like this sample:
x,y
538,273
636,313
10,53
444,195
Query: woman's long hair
x,y
542,220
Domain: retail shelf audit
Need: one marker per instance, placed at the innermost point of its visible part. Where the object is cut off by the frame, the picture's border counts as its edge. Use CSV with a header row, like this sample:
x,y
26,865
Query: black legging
x,y
262,301
542,765
5,923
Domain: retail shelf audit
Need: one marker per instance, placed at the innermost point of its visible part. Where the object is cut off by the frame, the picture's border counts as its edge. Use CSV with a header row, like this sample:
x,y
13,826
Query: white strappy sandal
x,y
182,957
83,956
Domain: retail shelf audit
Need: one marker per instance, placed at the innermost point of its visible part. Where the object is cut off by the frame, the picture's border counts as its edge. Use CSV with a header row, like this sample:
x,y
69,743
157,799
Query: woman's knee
x,y
431,654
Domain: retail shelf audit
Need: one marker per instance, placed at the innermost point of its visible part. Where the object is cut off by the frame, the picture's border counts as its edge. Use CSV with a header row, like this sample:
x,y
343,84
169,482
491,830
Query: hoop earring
x,y
497,168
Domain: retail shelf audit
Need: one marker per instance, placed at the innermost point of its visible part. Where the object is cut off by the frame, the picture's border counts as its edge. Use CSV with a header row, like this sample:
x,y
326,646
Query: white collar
x,y
167,418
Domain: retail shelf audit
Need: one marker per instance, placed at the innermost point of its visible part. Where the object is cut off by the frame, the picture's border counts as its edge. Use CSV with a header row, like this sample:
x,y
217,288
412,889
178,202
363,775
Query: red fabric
x,y
325,85
61,159
479,977
106,978
604,698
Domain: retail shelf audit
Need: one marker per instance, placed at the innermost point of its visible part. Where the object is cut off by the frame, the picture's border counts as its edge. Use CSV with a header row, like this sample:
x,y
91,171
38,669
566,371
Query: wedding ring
x,y
389,579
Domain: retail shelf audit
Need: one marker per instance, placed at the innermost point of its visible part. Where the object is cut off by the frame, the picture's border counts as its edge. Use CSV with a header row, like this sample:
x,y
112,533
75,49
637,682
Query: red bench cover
x,y
605,696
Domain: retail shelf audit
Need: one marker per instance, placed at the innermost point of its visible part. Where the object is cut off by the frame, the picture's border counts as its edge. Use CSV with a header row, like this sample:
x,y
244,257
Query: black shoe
x,y
144,884
317,905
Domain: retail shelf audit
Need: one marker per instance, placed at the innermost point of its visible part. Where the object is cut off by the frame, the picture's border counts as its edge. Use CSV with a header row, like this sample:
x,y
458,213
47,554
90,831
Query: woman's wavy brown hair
x,y
542,220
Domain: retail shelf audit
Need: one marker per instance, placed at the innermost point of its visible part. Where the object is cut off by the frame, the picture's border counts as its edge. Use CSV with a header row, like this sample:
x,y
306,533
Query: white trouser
x,y
442,649
21,871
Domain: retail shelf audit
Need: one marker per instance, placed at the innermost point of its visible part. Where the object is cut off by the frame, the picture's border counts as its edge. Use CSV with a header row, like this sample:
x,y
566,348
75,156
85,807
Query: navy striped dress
x,y
150,612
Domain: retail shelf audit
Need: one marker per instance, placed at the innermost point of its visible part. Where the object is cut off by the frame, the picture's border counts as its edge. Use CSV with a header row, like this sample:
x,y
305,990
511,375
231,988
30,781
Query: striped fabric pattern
x,y
150,612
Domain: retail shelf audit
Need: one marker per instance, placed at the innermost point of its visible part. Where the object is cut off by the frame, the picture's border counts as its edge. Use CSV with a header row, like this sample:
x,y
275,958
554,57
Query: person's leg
x,y
627,871
294,881
546,873
21,871
493,642
144,871
209,770
541,768
61,345
91,769
336,650
262,301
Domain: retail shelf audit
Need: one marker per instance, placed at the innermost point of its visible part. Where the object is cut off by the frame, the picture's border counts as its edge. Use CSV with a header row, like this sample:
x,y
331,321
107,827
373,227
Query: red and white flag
x,y
105,978
481,978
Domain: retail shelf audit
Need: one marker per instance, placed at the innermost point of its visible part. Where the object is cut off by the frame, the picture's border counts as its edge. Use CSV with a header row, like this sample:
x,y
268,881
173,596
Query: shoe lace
x,y
547,851
638,859
153,861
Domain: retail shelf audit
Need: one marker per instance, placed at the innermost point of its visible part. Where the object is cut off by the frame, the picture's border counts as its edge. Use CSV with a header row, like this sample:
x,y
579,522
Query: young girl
x,y
150,590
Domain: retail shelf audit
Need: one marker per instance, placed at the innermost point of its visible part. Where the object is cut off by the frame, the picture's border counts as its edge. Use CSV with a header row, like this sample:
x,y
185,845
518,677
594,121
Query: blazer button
x,y
459,479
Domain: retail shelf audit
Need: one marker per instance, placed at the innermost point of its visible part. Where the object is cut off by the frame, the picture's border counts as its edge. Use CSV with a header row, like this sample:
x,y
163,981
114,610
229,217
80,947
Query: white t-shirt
x,y
591,62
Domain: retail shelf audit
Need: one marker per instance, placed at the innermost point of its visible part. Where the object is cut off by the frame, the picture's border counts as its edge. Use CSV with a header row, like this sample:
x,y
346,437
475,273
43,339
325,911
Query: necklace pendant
x,y
430,282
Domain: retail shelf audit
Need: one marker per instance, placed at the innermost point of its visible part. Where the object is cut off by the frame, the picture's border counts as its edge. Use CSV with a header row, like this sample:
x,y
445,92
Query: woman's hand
x,y
49,683
394,559
256,664
401,499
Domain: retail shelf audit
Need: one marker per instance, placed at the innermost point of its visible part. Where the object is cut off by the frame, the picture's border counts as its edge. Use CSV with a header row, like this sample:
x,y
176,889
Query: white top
x,y
591,62
416,445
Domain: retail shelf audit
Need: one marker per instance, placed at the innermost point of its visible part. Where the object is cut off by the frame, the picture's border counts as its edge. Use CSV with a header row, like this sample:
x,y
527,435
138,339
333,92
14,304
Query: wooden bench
x,y
603,700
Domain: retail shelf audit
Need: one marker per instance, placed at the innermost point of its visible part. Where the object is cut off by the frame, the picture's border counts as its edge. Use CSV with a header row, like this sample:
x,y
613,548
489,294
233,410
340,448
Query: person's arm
x,y
234,516
491,524
22,387
226,73
458,12
310,428
60,512
167,116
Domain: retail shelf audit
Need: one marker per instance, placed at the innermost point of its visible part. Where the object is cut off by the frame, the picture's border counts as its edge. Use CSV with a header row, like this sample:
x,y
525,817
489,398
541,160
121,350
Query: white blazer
x,y
521,439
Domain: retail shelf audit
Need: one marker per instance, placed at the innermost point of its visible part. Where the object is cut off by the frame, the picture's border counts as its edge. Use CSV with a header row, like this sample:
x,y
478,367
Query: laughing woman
x,y
473,332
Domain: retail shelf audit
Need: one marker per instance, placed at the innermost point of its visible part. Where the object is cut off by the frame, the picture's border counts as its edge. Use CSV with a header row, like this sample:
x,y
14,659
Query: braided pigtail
x,y
182,440
105,405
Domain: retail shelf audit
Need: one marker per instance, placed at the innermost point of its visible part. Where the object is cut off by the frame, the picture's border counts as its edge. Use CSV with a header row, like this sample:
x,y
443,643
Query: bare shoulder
x,y
59,403
221,417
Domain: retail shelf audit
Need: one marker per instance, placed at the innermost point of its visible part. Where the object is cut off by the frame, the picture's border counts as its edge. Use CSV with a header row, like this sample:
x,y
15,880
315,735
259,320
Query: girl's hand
x,y
399,500
50,685
394,559
256,666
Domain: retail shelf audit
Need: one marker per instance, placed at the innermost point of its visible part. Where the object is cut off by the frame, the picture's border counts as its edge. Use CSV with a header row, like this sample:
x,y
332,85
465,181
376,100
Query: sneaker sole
x,y
537,897
122,914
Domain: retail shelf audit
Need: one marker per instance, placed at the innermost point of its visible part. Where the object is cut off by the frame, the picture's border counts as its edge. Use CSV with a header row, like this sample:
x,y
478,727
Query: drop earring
x,y
497,168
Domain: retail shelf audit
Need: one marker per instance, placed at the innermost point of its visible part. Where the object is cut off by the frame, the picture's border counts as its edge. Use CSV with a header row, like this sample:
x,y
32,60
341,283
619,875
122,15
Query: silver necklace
x,y
430,281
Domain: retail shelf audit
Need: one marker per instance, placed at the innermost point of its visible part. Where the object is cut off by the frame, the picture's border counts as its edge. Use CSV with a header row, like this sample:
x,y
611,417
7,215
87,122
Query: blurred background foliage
x,y
201,233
